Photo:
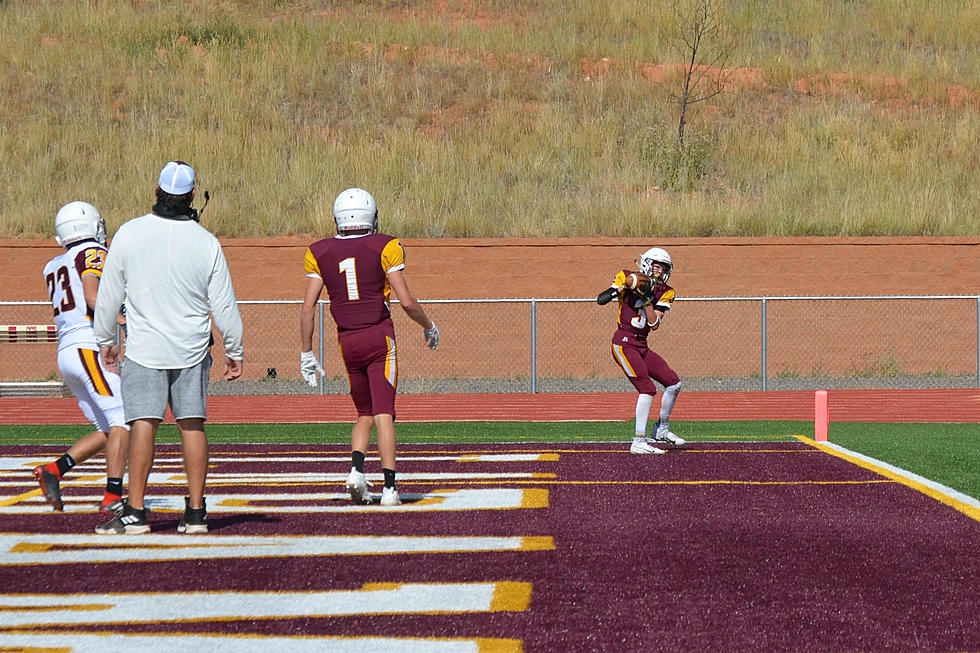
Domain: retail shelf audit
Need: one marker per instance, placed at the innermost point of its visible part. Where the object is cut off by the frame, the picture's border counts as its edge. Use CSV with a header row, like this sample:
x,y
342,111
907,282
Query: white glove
x,y
431,336
309,366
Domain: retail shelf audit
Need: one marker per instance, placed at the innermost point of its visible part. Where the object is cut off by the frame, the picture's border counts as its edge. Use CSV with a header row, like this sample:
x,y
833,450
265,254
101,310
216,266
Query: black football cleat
x,y
50,486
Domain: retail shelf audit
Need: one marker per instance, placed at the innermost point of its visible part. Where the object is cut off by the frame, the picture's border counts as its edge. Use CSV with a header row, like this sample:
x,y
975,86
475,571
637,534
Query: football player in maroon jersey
x,y
360,268
642,310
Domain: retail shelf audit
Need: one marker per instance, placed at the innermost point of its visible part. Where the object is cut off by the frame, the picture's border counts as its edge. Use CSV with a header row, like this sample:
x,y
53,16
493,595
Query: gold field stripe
x,y
504,483
535,498
484,645
55,607
376,587
509,596
970,511
537,543
20,497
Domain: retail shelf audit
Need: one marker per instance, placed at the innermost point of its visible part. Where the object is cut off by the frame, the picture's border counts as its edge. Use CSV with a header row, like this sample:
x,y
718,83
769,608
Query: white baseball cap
x,y
177,178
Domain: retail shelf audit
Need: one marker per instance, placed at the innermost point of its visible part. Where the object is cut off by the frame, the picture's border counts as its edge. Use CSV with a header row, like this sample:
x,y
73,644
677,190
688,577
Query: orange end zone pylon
x,y
821,416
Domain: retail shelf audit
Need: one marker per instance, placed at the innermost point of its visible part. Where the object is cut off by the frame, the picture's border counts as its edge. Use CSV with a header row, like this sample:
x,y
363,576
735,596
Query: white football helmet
x,y
77,221
355,208
656,255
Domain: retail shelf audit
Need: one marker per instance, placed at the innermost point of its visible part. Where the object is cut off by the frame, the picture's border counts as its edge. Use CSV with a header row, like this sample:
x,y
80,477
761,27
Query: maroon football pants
x,y
641,364
372,368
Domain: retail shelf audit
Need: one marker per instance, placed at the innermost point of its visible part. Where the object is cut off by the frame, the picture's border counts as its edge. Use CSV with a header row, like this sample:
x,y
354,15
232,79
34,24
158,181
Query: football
x,y
638,281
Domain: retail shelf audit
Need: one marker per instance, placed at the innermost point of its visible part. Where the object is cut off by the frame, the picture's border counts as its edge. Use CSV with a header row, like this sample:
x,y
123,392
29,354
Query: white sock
x,y
643,404
667,404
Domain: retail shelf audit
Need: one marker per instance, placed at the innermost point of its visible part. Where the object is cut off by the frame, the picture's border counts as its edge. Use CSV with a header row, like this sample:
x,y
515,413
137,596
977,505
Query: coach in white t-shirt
x,y
172,273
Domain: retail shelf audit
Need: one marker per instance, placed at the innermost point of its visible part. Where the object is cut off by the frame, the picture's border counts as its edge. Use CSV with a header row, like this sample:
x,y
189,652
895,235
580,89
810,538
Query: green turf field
x,y
946,453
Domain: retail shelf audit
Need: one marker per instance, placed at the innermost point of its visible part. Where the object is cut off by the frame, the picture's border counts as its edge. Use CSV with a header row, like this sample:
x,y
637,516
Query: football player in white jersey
x,y
73,283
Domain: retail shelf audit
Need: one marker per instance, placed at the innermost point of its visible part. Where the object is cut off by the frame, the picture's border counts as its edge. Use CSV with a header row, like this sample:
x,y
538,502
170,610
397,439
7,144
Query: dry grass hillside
x,y
502,118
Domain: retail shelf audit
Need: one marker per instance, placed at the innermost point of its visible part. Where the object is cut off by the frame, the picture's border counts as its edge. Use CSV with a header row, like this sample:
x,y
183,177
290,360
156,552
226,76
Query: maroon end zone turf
x,y
721,546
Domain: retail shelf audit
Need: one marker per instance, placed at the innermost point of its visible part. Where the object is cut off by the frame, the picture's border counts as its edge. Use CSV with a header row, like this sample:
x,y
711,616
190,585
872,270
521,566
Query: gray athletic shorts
x,y
147,391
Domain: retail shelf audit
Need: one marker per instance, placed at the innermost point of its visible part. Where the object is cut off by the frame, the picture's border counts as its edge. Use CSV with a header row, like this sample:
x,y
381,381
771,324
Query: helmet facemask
x,y
656,255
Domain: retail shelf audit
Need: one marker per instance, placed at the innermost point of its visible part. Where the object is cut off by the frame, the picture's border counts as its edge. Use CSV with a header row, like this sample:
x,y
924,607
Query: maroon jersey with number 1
x,y
355,270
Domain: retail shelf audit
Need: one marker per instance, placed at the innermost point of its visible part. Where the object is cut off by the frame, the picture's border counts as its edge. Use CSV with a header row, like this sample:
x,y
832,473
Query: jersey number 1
x,y
349,269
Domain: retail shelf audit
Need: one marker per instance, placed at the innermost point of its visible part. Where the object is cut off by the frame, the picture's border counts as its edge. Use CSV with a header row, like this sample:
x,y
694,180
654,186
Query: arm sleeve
x,y
90,261
609,293
224,307
393,256
112,290
606,296
312,267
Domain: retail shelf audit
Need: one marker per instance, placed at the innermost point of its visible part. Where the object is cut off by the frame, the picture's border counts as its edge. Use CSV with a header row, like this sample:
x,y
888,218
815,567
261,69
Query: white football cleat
x,y
642,446
357,487
664,436
389,497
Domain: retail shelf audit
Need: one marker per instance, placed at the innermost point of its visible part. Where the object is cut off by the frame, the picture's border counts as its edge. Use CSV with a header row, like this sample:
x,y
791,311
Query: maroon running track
x,y
720,546
926,405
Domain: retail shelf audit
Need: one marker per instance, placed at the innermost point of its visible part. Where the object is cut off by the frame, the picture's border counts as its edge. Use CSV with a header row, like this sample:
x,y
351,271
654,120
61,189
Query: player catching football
x,y
359,268
644,299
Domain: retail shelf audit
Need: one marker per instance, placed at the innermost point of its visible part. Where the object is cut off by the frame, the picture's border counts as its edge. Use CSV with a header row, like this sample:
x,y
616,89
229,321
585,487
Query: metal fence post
x,y
764,343
534,347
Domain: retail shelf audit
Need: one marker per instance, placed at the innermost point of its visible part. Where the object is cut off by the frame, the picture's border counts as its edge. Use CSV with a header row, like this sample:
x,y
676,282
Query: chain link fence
x,y
563,345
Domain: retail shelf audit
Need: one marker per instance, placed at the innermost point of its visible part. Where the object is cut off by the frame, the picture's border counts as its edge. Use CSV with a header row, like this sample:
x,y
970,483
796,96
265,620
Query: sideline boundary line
x,y
941,493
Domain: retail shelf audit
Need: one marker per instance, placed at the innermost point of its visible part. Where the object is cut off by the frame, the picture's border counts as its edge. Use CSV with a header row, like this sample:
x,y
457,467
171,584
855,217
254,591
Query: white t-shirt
x,y
171,273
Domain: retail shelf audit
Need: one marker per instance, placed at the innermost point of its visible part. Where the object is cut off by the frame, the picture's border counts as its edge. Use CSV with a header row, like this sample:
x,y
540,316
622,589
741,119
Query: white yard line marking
x,y
34,610
32,549
278,502
222,643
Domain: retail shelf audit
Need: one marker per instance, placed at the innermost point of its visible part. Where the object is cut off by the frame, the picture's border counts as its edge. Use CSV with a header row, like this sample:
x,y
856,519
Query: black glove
x,y
606,296
646,294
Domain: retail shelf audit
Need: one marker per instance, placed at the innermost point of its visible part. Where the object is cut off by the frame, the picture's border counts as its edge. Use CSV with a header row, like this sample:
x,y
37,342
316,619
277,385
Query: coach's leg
x,y
194,445
141,437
